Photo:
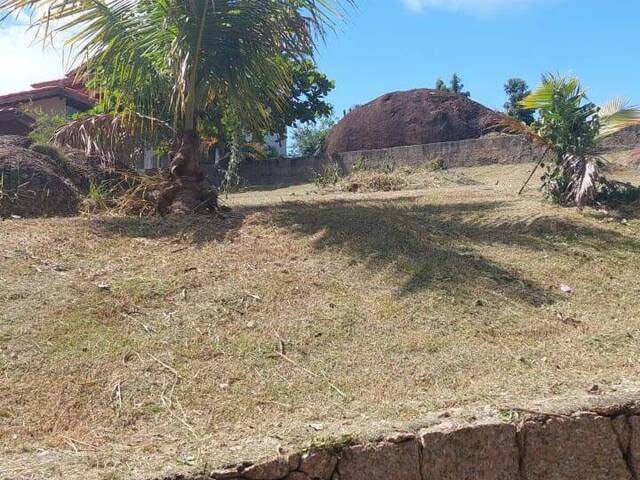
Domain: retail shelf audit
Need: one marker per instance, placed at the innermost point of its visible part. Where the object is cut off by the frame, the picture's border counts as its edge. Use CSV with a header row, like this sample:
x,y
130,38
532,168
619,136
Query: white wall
x,y
278,143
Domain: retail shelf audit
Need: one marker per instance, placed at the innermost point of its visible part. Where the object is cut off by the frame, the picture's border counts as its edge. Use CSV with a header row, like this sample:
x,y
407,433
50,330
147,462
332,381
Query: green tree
x,y
455,86
190,57
309,138
441,86
516,90
306,102
572,127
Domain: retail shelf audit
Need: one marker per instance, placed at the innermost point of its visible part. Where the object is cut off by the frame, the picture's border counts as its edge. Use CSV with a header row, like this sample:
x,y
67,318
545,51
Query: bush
x,y
329,176
309,139
46,125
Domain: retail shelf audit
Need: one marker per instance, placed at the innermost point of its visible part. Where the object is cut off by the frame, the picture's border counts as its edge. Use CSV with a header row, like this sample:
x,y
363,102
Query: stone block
x,y
477,452
382,461
575,448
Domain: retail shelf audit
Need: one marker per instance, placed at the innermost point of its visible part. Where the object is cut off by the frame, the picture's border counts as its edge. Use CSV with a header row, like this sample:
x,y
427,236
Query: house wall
x,y
278,143
491,149
51,106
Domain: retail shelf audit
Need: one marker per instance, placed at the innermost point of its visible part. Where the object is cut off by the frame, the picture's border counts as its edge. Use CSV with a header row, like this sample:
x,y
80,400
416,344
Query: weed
x,y
98,197
435,164
141,289
387,167
332,444
360,165
511,416
330,175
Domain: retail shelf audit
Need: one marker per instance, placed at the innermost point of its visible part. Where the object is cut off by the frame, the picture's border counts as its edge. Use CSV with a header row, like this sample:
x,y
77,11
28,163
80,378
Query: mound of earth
x,y
414,117
626,139
40,180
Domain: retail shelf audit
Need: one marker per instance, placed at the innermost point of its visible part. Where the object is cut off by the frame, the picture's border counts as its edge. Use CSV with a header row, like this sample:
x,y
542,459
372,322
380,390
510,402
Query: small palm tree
x,y
572,127
182,61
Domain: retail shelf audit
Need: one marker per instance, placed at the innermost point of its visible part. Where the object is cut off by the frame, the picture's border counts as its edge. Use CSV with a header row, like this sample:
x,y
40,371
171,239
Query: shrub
x,y
46,124
360,165
329,176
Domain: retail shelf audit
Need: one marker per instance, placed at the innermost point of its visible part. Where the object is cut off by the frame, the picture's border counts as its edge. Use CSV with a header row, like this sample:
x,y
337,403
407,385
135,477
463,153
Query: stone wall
x,y
598,444
491,149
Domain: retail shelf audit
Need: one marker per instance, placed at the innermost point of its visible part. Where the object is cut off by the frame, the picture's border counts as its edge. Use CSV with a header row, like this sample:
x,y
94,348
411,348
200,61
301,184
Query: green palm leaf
x,y
617,115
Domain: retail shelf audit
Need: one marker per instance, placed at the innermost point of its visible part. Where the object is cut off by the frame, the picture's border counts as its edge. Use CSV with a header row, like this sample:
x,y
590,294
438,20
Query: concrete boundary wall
x,y
598,444
491,149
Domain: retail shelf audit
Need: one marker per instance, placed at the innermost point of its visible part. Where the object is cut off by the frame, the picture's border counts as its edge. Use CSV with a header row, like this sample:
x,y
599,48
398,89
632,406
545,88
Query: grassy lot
x,y
132,346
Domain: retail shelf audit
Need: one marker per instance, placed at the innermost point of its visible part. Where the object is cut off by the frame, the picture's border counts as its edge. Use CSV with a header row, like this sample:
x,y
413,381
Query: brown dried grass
x,y
130,347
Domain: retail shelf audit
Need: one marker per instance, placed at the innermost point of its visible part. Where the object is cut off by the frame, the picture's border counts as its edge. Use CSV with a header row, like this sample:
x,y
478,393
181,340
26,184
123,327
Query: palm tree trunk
x,y
185,193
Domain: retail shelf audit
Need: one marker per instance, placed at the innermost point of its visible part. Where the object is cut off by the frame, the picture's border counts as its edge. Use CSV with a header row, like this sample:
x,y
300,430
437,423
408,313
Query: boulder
x,y
414,117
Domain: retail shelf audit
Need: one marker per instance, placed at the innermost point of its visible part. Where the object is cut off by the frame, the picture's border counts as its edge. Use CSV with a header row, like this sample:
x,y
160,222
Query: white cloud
x,y
24,61
479,7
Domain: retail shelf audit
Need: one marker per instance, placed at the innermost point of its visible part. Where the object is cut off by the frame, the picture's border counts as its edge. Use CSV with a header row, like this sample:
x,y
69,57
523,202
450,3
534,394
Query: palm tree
x,y
571,127
181,60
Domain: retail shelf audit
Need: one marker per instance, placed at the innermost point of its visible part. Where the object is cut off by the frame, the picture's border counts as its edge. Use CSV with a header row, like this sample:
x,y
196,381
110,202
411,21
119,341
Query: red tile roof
x,y
56,90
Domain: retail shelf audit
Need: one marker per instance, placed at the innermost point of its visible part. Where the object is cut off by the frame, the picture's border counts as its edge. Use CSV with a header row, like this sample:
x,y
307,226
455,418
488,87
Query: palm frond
x,y
542,96
617,115
116,138
513,126
187,54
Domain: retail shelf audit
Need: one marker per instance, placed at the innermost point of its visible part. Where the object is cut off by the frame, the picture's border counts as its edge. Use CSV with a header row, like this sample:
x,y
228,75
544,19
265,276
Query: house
x,y
64,96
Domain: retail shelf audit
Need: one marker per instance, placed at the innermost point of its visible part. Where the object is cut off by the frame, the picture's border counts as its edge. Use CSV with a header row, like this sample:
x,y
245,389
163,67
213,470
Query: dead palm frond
x,y
115,137
513,126
584,179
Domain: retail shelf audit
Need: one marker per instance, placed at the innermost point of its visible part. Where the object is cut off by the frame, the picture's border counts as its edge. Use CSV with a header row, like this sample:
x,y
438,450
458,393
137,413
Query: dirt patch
x,y
414,117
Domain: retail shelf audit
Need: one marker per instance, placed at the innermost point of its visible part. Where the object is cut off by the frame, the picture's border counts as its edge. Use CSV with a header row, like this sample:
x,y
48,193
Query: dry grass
x,y
129,346
373,181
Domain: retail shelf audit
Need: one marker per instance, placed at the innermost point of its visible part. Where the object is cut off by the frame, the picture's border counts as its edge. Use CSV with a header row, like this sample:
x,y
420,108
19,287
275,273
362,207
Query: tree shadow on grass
x,y
433,245
196,229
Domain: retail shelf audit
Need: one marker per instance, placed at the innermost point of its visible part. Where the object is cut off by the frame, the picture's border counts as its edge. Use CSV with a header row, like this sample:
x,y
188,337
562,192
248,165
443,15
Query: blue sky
x,y
393,45
390,45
